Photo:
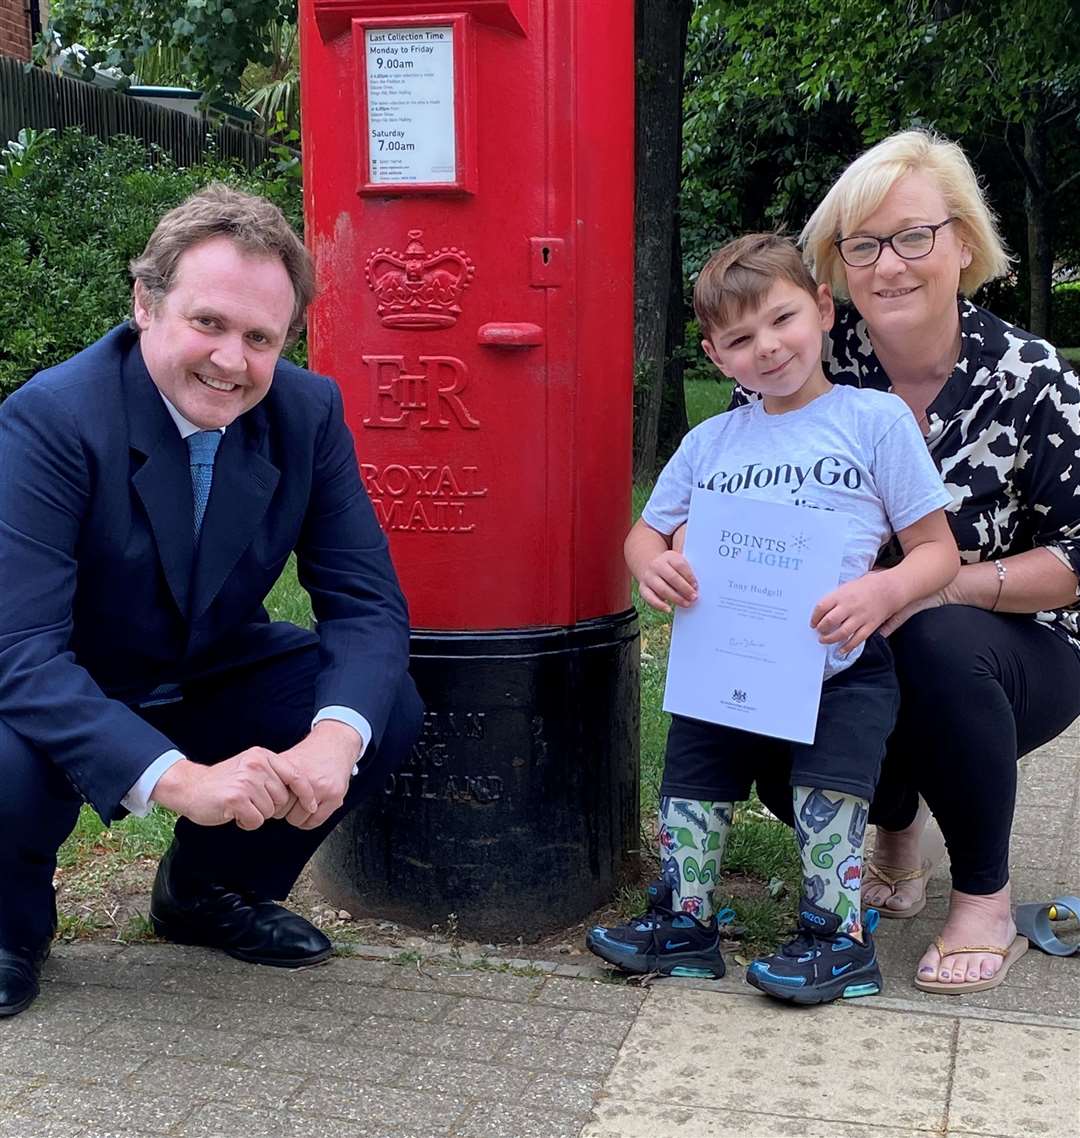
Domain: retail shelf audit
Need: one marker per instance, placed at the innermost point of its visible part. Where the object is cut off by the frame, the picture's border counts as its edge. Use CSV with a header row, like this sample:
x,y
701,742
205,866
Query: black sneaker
x,y
820,964
663,941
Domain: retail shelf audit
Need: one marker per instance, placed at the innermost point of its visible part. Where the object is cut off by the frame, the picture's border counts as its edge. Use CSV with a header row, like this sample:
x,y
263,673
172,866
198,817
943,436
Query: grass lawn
x,y
761,864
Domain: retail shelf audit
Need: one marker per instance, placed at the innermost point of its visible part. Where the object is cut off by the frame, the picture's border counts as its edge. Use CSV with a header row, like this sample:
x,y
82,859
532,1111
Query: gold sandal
x,y
933,851
891,877
1009,956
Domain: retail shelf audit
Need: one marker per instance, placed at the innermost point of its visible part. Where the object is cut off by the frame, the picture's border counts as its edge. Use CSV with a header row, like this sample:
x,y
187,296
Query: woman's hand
x,y
949,595
935,600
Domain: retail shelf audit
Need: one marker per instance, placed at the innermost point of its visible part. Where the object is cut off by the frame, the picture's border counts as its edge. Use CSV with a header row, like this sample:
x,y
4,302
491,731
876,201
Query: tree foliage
x,y
783,93
73,211
213,41
272,89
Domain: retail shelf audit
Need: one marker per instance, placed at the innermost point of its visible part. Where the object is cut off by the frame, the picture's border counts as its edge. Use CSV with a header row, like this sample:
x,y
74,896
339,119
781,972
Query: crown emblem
x,y
418,289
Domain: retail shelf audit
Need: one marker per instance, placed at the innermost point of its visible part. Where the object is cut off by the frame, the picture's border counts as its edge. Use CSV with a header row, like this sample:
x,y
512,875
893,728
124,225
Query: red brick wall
x,y
14,29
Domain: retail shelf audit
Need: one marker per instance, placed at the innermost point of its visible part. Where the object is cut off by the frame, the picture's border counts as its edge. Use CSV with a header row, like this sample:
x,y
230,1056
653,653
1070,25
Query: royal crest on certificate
x,y
744,654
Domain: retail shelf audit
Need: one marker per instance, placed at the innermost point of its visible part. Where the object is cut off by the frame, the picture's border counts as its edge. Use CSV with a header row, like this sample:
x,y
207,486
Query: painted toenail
x,y
926,970
944,975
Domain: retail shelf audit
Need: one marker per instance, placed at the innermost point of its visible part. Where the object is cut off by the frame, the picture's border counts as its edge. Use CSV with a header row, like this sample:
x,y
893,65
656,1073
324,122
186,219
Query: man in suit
x,y
151,490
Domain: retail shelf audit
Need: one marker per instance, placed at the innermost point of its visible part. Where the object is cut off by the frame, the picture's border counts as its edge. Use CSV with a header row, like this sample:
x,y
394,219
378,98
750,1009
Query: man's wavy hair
x,y
256,226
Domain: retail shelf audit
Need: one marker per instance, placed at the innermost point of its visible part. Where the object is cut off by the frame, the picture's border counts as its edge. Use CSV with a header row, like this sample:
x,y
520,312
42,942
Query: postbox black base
x,y
519,805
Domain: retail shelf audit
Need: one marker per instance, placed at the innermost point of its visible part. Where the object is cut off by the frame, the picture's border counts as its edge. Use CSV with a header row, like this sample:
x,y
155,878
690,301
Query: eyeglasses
x,y
910,244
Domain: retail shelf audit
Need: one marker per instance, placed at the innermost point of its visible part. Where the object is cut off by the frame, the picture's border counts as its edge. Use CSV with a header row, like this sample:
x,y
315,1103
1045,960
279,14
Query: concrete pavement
x,y
156,1040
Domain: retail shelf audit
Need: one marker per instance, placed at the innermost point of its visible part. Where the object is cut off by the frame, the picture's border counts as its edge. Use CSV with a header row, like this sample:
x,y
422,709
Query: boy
x,y
832,448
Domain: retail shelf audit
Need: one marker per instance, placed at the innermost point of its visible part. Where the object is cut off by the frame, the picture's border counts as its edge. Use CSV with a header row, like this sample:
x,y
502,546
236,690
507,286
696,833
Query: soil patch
x,y
106,897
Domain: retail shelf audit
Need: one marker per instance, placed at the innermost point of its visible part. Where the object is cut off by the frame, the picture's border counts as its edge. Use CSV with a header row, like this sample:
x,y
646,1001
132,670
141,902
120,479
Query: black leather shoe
x,y
19,971
260,932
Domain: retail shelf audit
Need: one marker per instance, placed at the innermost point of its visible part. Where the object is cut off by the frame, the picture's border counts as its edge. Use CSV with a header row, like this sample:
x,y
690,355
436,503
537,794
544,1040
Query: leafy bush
x,y
1065,307
78,211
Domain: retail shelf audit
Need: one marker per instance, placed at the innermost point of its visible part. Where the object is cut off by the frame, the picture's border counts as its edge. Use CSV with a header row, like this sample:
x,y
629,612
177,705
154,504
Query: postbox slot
x,y
503,334
333,16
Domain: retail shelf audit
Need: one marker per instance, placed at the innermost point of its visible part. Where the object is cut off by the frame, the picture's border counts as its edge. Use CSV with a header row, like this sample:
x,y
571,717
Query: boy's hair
x,y
253,224
862,187
737,277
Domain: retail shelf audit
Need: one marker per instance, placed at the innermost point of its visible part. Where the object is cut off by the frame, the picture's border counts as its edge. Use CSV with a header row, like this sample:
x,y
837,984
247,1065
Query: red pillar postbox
x,y
469,202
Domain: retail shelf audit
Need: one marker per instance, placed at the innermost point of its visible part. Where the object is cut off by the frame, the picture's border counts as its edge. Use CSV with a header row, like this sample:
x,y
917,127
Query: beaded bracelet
x,y
1002,573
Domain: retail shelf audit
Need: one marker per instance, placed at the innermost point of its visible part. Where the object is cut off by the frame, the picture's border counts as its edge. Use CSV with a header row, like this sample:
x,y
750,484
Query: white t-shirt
x,y
852,450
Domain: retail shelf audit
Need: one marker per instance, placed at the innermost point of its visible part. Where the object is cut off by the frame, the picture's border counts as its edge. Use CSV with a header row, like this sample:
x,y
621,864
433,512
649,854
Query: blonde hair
x,y
862,187
737,277
255,225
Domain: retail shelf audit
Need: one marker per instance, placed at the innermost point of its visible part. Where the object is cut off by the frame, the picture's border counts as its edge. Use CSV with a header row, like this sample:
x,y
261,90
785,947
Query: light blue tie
x,y
202,447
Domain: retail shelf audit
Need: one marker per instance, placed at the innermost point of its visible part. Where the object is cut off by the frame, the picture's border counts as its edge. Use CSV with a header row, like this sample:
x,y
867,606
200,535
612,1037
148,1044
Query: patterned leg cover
x,y
830,827
692,836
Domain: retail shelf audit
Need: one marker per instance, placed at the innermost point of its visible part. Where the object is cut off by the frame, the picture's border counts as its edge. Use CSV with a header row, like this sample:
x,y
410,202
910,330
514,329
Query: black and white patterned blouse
x,y
1005,434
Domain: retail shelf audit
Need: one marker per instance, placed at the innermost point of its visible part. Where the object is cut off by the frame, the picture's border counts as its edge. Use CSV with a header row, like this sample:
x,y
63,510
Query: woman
x,y
990,667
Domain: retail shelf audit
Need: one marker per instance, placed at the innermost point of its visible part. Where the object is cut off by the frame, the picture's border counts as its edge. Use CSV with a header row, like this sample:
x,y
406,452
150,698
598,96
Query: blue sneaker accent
x,y
661,940
854,990
762,969
820,964
601,935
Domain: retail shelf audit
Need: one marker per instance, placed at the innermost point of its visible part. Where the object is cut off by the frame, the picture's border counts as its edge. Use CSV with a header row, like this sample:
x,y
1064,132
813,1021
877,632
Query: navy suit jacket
x,y
102,597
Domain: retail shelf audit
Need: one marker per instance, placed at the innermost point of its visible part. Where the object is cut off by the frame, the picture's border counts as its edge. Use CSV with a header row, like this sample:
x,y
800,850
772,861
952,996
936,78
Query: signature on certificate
x,y
744,642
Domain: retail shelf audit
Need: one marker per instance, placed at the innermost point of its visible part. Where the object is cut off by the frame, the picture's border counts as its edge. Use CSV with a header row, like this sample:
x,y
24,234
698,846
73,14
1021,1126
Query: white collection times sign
x,y
410,101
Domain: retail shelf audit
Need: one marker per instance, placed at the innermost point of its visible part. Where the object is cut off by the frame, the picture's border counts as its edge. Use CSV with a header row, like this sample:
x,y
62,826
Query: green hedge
x,y
1065,305
72,214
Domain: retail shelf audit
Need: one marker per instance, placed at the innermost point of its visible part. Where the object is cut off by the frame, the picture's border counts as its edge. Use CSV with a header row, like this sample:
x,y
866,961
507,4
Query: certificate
x,y
744,654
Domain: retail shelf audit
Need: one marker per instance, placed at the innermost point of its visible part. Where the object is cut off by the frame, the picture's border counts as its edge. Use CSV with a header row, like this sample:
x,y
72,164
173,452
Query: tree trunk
x,y
661,27
673,424
1038,203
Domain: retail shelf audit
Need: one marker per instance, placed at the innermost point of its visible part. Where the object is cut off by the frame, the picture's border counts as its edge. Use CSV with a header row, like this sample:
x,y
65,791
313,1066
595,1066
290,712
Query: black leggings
x,y
977,690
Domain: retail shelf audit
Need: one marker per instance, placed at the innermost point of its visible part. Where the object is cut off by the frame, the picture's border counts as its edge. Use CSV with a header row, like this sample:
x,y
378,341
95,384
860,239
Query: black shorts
x,y
711,763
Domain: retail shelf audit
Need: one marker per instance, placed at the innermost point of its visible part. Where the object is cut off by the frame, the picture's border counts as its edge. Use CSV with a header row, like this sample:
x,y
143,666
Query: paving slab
x,y
218,1119
611,999
20,1125
208,1044
503,1121
1013,1081
104,1107
1042,819
160,1041
724,1053
617,1119
185,1045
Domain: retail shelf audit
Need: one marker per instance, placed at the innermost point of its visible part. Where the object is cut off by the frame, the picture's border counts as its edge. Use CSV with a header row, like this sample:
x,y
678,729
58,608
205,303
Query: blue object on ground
x,y
1033,921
